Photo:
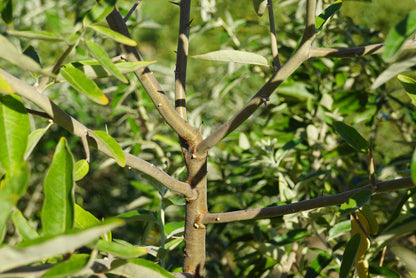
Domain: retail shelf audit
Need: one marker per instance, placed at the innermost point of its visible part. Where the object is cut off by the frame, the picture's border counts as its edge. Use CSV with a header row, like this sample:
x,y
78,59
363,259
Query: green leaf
x,y
35,35
396,37
113,35
120,250
111,145
409,84
7,11
22,226
131,267
413,167
80,82
296,90
383,272
94,70
393,70
34,139
174,228
100,10
139,215
64,269
81,169
84,219
351,136
318,264
58,205
10,53
327,13
340,229
260,6
290,236
408,257
105,61
46,247
349,255
7,202
14,131
355,202
236,56
31,52
5,88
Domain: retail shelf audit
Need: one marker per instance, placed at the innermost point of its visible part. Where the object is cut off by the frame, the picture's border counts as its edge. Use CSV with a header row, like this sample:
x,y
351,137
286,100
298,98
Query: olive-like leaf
x,y
23,227
35,35
80,82
14,131
5,88
236,56
120,250
34,139
7,11
81,169
99,54
398,35
58,206
409,84
355,202
46,247
64,269
408,257
110,144
349,255
351,136
113,35
393,70
131,267
10,53
260,6
100,10
327,13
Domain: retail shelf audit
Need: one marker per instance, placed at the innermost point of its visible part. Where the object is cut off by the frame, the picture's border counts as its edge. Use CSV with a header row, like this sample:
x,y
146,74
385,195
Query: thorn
x,y
189,23
265,100
175,3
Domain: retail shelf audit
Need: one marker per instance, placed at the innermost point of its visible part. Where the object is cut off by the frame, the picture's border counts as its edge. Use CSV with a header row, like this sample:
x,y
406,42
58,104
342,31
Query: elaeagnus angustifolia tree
x,y
231,143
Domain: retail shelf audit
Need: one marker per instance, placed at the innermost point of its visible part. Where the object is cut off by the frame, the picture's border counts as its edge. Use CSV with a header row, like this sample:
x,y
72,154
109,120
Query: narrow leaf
x,y
7,11
409,84
398,35
408,257
131,267
355,202
393,70
413,167
10,53
7,202
105,61
34,139
318,264
81,169
94,70
234,56
327,13
349,255
5,88
351,136
113,35
35,35
71,266
84,219
14,131
100,10
339,229
58,205
296,90
80,82
259,6
119,250
31,52
112,145
22,226
46,247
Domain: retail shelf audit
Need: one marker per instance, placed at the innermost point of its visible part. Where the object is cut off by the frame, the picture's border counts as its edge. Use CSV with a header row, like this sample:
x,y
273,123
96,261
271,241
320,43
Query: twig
x,y
182,58
310,29
273,41
354,51
38,113
320,202
152,87
75,127
131,10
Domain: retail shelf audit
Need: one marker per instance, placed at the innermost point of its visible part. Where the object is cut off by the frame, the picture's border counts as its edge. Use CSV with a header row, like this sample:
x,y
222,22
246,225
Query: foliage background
x,y
286,152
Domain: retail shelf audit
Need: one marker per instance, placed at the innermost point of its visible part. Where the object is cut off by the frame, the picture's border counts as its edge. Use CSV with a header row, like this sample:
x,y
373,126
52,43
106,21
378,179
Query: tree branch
x,y
355,51
152,87
72,125
320,202
310,29
182,58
